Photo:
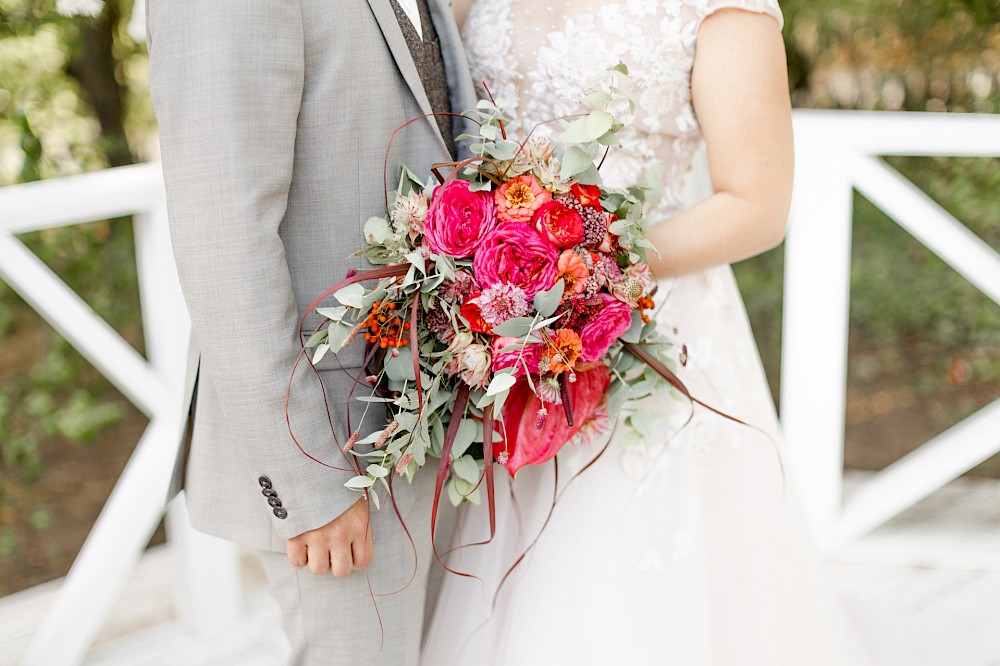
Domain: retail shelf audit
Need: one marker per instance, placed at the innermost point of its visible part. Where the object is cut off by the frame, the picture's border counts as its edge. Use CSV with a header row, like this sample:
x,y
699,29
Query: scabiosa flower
x,y
502,302
409,214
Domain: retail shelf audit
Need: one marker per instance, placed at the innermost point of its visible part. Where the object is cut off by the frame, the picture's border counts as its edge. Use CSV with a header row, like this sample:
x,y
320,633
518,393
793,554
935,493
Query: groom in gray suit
x,y
274,119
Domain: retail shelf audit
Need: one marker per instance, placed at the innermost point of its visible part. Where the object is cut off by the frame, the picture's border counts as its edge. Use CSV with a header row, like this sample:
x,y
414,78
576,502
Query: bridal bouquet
x,y
512,314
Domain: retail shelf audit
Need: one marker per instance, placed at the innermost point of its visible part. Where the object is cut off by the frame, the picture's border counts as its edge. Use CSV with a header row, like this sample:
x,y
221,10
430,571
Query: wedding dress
x,y
686,548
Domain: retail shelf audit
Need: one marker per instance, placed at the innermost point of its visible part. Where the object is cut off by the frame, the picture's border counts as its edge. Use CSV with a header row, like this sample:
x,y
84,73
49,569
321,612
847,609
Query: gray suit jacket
x,y
274,119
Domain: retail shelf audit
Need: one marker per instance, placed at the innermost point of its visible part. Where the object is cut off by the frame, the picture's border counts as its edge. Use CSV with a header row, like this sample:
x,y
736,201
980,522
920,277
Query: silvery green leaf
x,y
321,351
634,329
370,439
408,181
417,259
372,398
377,230
484,186
503,150
514,328
546,302
432,283
406,421
466,468
453,495
377,471
359,482
545,322
599,98
598,124
575,160
317,337
618,227
334,314
465,436
609,139
621,68
490,132
373,496
400,367
575,132
339,331
352,295
485,400
501,382
589,176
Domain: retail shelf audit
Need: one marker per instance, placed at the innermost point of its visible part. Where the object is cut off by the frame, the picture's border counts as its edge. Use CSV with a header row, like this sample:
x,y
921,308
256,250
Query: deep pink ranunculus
x,y
458,220
611,321
562,226
529,356
517,254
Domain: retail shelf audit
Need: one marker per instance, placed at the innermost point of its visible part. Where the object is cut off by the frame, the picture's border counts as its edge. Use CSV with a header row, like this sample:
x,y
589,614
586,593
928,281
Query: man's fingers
x,y
362,552
296,551
341,561
319,560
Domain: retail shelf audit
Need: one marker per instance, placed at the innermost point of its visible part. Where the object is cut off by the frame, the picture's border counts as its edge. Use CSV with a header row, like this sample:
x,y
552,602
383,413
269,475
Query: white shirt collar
x,y
413,13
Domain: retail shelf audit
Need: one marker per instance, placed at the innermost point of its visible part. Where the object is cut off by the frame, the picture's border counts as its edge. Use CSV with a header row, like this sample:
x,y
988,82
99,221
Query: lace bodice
x,y
539,57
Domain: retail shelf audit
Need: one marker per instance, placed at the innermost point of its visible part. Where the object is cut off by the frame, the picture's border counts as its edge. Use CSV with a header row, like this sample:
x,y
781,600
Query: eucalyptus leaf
x,y
502,381
466,434
377,230
321,351
359,482
333,314
352,295
598,124
377,471
466,468
546,302
574,161
514,328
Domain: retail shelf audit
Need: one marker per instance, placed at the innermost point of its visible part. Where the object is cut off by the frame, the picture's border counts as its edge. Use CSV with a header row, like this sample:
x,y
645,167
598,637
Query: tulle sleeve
x,y
769,7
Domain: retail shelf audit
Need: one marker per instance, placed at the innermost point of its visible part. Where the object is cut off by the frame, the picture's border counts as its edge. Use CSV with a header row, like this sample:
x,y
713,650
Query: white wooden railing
x,y
836,152
208,593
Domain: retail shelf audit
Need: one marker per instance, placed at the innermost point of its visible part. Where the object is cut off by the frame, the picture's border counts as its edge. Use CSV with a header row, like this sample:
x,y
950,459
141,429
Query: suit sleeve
x,y
227,82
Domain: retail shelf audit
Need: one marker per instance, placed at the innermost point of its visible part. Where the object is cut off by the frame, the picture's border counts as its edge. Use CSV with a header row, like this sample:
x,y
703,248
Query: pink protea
x,y
519,198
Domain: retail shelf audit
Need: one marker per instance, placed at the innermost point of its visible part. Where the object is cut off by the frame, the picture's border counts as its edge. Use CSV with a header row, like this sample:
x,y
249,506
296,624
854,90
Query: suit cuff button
x,y
264,482
280,513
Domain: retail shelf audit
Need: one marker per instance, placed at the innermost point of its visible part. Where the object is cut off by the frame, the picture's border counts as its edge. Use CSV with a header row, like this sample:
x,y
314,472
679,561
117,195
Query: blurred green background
x,y
925,345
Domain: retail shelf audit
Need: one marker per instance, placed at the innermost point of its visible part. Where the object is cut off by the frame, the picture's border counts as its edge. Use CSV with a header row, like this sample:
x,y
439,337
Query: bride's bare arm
x,y
740,95
461,8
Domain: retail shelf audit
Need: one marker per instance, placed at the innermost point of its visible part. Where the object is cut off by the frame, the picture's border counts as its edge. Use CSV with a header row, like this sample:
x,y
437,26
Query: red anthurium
x,y
528,445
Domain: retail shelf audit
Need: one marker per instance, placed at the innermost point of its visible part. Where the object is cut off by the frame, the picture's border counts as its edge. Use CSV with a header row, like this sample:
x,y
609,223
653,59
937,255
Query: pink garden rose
x,y
517,254
458,219
529,356
611,321
519,198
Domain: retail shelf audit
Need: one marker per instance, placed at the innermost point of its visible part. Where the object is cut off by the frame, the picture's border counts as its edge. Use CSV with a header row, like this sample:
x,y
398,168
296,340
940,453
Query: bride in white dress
x,y
681,548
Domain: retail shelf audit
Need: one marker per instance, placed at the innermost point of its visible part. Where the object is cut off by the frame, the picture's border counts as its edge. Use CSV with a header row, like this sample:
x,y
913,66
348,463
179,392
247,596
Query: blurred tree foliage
x,y
74,98
915,323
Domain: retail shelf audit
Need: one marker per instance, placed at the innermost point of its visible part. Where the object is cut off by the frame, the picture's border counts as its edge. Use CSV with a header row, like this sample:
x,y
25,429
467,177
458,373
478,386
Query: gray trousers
x,y
332,621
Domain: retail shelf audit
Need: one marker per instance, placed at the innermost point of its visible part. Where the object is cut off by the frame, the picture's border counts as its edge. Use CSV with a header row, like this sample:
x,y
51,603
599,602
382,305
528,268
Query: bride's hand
x,y
739,90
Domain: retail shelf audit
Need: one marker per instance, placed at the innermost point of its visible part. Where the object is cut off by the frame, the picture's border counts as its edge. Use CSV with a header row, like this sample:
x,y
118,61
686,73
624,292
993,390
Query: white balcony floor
x,y
925,588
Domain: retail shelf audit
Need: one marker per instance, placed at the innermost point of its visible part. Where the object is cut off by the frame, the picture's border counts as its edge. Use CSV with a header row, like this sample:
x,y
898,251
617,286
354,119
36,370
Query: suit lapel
x,y
461,88
393,34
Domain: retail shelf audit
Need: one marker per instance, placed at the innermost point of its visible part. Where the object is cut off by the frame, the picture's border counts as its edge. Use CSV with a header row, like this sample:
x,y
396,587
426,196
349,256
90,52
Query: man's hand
x,y
342,545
